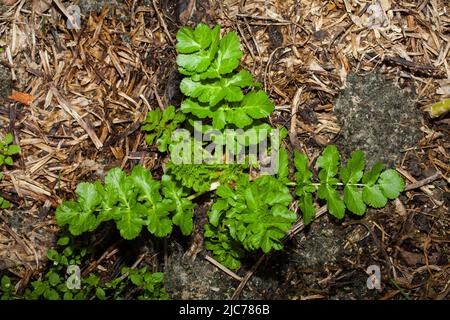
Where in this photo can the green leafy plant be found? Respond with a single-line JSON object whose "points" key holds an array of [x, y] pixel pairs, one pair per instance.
{"points": [[6, 288], [131, 201], [215, 89], [151, 284], [53, 285], [253, 215], [251, 210], [160, 125], [201, 178], [7, 150], [360, 189]]}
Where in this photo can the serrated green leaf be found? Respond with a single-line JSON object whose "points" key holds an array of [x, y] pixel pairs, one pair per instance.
{"points": [[189, 41], [257, 105], [216, 211], [130, 222], [4, 204], [226, 251], [255, 134], [329, 161], [89, 195], [213, 92], [306, 205], [266, 234], [228, 56], [153, 119], [147, 187], [79, 221], [335, 205], [238, 117], [53, 278], [13, 149], [303, 175], [191, 106], [183, 206], [5, 283], [159, 222], [391, 184], [354, 200], [241, 79], [353, 172], [371, 176], [51, 294], [9, 161], [116, 181], [283, 165], [373, 196], [256, 213]]}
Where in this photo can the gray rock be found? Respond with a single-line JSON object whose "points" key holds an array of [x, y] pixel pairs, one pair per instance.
{"points": [[376, 117]]}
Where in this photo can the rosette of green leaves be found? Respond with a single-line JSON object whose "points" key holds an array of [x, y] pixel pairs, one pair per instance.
{"points": [[254, 214], [215, 89]]}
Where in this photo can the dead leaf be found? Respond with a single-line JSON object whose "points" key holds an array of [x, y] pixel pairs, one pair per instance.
{"points": [[21, 97]]}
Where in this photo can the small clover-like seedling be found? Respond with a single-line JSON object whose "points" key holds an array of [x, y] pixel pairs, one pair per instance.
{"points": [[53, 285], [7, 150], [6, 288], [150, 283]]}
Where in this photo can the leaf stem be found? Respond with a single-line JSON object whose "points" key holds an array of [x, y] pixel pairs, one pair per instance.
{"points": [[317, 184], [195, 195]]}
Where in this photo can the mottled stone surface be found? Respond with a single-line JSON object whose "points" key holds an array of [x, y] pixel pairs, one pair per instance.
{"points": [[377, 117]]}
